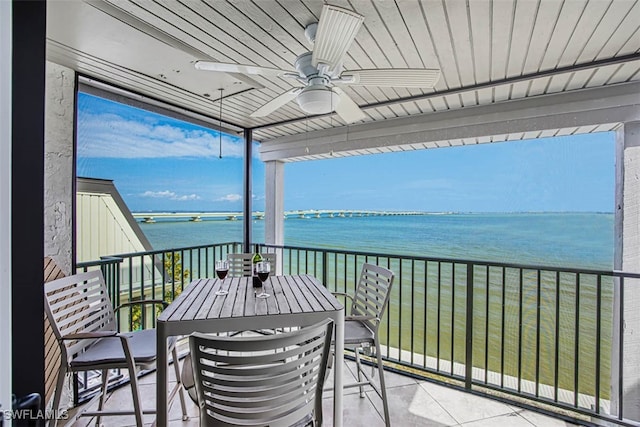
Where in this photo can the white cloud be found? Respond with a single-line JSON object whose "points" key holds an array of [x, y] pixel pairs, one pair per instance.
{"points": [[230, 198], [169, 195], [110, 135]]}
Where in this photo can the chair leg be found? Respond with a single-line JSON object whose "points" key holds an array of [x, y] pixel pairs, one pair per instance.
{"points": [[383, 388], [358, 369], [135, 391], [62, 373], [103, 393], [176, 367]]}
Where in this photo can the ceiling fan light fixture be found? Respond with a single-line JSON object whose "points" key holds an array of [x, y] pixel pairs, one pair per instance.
{"points": [[318, 99]]}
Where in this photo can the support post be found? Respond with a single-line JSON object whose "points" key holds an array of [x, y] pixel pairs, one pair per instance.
{"points": [[625, 360], [248, 148], [274, 206]]}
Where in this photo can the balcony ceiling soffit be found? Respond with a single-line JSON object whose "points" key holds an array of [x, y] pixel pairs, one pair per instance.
{"points": [[483, 49]]}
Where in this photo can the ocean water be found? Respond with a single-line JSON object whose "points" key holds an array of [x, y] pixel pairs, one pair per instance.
{"points": [[566, 240], [580, 240]]}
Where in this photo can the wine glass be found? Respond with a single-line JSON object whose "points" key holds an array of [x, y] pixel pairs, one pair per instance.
{"points": [[262, 270], [222, 268]]}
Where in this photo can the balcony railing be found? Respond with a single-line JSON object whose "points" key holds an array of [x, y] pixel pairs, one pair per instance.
{"points": [[545, 336]]}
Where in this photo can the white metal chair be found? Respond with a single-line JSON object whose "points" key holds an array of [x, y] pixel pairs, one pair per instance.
{"points": [[368, 305], [273, 380], [84, 324], [242, 264]]}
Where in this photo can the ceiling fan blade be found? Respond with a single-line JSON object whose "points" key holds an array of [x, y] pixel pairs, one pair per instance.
{"points": [[347, 109], [243, 69], [391, 77], [336, 31], [276, 102]]}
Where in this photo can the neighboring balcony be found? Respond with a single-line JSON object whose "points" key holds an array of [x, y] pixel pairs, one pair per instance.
{"points": [[529, 338]]}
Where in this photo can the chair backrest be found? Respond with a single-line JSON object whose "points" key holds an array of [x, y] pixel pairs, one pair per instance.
{"points": [[242, 264], [51, 272], [273, 380], [75, 304], [372, 294]]}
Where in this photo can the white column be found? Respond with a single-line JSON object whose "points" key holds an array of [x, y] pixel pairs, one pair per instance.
{"points": [[627, 258], [5, 204], [58, 164], [274, 206]]}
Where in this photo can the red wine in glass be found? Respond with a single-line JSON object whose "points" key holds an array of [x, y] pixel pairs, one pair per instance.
{"points": [[222, 273], [262, 271], [222, 268]]}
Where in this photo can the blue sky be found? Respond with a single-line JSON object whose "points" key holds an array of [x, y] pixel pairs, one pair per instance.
{"points": [[161, 164]]}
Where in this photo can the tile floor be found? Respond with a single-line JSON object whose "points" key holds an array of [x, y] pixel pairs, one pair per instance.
{"points": [[412, 403]]}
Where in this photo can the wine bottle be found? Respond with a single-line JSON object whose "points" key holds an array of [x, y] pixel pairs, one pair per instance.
{"points": [[257, 283]]}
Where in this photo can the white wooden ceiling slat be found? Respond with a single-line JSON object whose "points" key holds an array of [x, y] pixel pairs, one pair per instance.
{"points": [[602, 75], [516, 136], [539, 86], [531, 135], [632, 45], [453, 101], [579, 79], [519, 90], [390, 18], [398, 110], [386, 112], [547, 17], [276, 20], [468, 99], [425, 105], [374, 114], [438, 28], [625, 39], [480, 13], [439, 104], [412, 13], [457, 18], [411, 108], [525, 15], [626, 72], [605, 127], [558, 82], [485, 96], [566, 131], [502, 93], [612, 20], [548, 133], [590, 17], [230, 28], [501, 35], [586, 129], [565, 28]]}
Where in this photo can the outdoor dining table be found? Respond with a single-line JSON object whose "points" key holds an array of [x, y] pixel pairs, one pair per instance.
{"points": [[294, 300]]}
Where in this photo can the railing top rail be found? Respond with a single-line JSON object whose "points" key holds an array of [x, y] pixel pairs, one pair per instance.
{"points": [[484, 263], [615, 273]]}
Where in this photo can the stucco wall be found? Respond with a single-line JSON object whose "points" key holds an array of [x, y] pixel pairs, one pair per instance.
{"points": [[58, 181]]}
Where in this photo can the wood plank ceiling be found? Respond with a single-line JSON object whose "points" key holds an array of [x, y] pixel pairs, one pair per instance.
{"points": [[488, 50]]}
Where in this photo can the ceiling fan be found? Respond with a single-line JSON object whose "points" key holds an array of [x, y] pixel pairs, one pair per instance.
{"points": [[321, 72]]}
